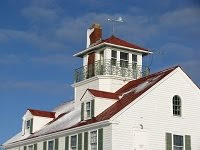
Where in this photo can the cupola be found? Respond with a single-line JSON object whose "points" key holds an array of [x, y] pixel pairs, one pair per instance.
{"points": [[108, 63]]}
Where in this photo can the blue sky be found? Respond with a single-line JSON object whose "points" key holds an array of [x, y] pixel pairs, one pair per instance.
{"points": [[39, 37]]}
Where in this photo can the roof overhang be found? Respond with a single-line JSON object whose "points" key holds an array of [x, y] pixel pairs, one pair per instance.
{"points": [[83, 52]]}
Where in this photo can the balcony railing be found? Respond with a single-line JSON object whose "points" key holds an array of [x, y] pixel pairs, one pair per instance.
{"points": [[108, 67]]}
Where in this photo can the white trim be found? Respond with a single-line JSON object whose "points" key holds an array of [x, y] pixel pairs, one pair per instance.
{"points": [[57, 134], [113, 45]]}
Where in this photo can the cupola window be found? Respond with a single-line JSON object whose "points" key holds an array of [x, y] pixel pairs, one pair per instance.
{"points": [[123, 59], [176, 105], [114, 58], [134, 61]]}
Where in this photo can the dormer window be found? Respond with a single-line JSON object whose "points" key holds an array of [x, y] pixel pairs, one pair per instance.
{"points": [[123, 59], [88, 109], [28, 124]]}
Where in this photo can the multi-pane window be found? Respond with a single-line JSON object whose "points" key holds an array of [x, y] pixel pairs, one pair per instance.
{"points": [[74, 142], [93, 140], [30, 147], [123, 59], [176, 105], [113, 58], [28, 124], [50, 145], [134, 61], [178, 142], [88, 109]]}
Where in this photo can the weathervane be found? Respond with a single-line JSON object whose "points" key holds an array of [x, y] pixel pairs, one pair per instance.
{"points": [[113, 21]]}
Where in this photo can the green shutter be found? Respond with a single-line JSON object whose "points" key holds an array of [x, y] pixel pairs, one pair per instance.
{"points": [[92, 108], [31, 126], [25, 147], [168, 139], [100, 139], [187, 142], [82, 111], [86, 141], [80, 141], [45, 145], [56, 144], [35, 146], [67, 143]]}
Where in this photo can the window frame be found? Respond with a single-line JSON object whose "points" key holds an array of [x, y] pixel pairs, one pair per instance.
{"points": [[134, 63], [90, 144], [28, 124], [124, 62], [178, 146], [113, 58], [30, 146], [177, 106], [76, 147], [53, 144], [88, 110]]}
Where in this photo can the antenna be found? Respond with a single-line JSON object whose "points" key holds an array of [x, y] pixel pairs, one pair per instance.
{"points": [[113, 21]]}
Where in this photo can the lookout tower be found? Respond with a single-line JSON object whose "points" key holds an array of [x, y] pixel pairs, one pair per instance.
{"points": [[108, 64]]}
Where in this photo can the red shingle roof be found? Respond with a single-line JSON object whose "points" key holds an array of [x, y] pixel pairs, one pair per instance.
{"points": [[103, 94], [42, 113], [129, 92], [120, 42]]}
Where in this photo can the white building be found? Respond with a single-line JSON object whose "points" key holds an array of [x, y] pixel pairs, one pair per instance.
{"points": [[117, 105]]}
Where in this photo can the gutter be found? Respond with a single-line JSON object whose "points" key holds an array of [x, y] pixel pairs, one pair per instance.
{"points": [[57, 134], [109, 44]]}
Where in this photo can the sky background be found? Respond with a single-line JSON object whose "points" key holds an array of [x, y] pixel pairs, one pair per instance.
{"points": [[39, 37]]}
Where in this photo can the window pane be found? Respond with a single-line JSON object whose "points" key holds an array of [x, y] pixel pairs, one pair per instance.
{"points": [[178, 140], [93, 140], [73, 141], [134, 58], [114, 54], [123, 56], [50, 145], [30, 147], [176, 105]]}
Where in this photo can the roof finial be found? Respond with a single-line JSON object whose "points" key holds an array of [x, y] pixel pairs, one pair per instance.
{"points": [[113, 21]]}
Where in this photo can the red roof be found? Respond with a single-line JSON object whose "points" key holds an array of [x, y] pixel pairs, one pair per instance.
{"points": [[120, 42], [42, 113], [103, 94], [129, 92]]}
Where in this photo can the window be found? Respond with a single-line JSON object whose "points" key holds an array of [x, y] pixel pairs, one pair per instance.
{"points": [[178, 142], [123, 59], [176, 105], [114, 58], [50, 145], [93, 140], [88, 109], [74, 142], [134, 61], [28, 124], [30, 147]]}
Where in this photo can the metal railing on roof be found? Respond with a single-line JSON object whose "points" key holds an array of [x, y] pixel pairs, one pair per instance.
{"points": [[111, 67]]}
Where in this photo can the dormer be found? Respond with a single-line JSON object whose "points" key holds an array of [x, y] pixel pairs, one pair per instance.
{"points": [[95, 102], [33, 120]]}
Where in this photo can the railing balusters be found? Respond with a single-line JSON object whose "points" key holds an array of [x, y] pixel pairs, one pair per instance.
{"points": [[106, 68]]}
